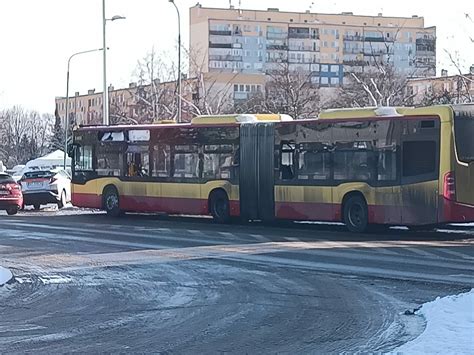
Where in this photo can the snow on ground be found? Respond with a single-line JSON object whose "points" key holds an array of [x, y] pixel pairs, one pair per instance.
{"points": [[449, 327], [5, 275]]}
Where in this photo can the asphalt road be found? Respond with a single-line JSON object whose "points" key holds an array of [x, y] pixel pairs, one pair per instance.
{"points": [[86, 283]]}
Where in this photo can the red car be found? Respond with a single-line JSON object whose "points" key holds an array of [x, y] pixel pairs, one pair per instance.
{"points": [[11, 197]]}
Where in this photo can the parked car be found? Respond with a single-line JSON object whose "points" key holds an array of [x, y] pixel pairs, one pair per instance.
{"points": [[11, 198], [41, 187], [16, 172]]}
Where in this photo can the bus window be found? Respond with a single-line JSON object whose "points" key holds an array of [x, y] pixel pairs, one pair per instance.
{"points": [[387, 165], [314, 163], [354, 163], [217, 161], [109, 161], [186, 161], [83, 160], [138, 160], [419, 158], [287, 160], [463, 135], [162, 160]]}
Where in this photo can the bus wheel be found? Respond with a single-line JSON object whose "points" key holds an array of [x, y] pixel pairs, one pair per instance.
{"points": [[219, 206], [111, 202], [355, 214]]}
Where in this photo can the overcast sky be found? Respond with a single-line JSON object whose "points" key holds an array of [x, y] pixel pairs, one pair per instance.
{"points": [[38, 36]]}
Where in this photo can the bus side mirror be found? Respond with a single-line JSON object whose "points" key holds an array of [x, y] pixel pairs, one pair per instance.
{"points": [[71, 149]]}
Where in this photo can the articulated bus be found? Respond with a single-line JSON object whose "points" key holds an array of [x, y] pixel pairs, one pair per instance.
{"points": [[363, 167]]}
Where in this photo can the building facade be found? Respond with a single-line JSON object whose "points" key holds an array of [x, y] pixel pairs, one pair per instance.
{"points": [[328, 46], [134, 104], [446, 88]]}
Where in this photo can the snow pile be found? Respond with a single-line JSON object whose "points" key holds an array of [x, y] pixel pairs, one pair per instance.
{"points": [[449, 327], [5, 276]]}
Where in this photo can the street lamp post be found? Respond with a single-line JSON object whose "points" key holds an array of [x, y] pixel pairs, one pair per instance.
{"points": [[105, 97], [179, 61], [66, 120]]}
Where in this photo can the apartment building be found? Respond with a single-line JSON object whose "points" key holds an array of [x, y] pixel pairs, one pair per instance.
{"points": [[133, 104], [446, 88], [252, 43]]}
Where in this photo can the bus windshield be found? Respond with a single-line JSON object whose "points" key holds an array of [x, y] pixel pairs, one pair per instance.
{"points": [[464, 133]]}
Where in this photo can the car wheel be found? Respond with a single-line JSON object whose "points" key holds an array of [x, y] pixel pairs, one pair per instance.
{"points": [[62, 202], [219, 206], [12, 211], [112, 202], [356, 214], [36, 206]]}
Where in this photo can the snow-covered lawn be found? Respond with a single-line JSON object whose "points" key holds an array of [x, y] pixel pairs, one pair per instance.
{"points": [[5, 275], [449, 327]]}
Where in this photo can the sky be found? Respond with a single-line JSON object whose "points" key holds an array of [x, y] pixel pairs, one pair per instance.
{"points": [[38, 36]]}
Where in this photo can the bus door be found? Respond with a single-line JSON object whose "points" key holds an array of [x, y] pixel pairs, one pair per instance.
{"points": [[420, 142], [256, 181], [464, 168]]}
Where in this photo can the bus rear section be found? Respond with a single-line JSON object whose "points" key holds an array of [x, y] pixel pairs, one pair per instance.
{"points": [[458, 183]]}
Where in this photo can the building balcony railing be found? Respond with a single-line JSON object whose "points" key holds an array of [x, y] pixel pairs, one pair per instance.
{"points": [[426, 41], [377, 39], [220, 45], [351, 50], [220, 33], [354, 63], [299, 35], [229, 58], [274, 35], [279, 47], [353, 38], [304, 48]]}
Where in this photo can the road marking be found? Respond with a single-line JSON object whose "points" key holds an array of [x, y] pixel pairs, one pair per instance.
{"points": [[421, 252], [455, 253], [226, 234], [260, 237], [252, 253], [121, 233]]}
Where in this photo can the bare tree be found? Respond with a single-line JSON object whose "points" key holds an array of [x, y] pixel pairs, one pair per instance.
{"points": [[24, 135]]}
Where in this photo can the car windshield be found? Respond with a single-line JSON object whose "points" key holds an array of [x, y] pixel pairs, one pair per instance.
{"points": [[6, 179], [38, 174]]}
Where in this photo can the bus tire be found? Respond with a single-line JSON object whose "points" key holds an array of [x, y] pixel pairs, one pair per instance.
{"points": [[219, 206], [355, 212], [112, 202]]}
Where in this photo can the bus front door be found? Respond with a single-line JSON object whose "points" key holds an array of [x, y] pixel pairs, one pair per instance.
{"points": [[256, 181]]}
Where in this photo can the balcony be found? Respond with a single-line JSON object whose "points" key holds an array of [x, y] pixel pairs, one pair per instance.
{"points": [[354, 63], [353, 38], [351, 50], [220, 33], [277, 35], [377, 39], [227, 58], [220, 45], [299, 35], [303, 48], [277, 47]]}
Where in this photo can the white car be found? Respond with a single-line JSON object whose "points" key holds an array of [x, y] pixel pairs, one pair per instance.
{"points": [[41, 187]]}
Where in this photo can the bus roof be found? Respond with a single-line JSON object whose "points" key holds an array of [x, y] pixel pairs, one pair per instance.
{"points": [[445, 112], [240, 118]]}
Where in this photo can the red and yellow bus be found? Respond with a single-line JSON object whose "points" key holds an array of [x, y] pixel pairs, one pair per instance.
{"points": [[390, 166]]}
